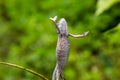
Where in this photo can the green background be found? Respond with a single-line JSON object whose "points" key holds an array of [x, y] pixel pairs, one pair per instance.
{"points": [[28, 38]]}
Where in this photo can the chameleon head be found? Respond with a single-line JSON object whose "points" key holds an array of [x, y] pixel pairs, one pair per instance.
{"points": [[63, 27]]}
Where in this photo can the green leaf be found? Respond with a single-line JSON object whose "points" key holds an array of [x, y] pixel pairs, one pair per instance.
{"points": [[103, 5]]}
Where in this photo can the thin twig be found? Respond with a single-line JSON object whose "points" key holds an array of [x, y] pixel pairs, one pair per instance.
{"points": [[25, 69]]}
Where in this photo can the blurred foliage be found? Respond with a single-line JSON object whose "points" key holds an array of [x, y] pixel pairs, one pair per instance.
{"points": [[103, 5], [28, 38]]}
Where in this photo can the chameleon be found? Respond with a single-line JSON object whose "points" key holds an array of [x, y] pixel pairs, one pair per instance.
{"points": [[63, 47]]}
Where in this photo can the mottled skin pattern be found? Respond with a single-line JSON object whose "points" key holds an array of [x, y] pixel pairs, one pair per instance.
{"points": [[62, 50]]}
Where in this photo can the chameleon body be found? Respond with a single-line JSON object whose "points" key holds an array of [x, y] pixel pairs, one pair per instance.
{"points": [[62, 49]]}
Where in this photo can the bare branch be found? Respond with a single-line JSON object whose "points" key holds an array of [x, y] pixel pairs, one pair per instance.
{"points": [[80, 35], [56, 25], [25, 69]]}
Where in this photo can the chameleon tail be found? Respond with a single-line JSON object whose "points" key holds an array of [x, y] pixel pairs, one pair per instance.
{"points": [[56, 73]]}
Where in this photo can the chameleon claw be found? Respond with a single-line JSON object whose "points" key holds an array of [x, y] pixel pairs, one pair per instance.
{"points": [[54, 19], [86, 33], [56, 24]]}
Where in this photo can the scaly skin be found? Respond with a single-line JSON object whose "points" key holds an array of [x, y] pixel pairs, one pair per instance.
{"points": [[63, 47], [62, 50]]}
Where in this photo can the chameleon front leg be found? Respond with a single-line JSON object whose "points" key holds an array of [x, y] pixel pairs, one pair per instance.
{"points": [[56, 24], [79, 35]]}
